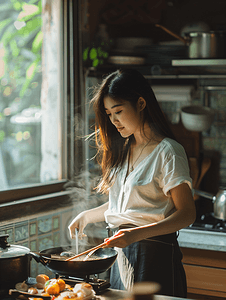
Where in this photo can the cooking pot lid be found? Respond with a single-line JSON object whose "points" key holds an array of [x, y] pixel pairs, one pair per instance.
{"points": [[11, 251]]}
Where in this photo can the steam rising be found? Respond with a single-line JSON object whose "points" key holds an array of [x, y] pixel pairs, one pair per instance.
{"points": [[84, 197]]}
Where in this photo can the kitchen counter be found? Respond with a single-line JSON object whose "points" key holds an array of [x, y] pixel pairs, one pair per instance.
{"points": [[201, 239], [204, 262], [111, 294]]}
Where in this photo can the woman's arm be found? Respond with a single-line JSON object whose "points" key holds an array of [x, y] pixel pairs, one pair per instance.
{"points": [[93, 215], [184, 215]]}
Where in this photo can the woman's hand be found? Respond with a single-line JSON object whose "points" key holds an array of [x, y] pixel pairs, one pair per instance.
{"points": [[121, 239], [79, 222], [88, 216]]}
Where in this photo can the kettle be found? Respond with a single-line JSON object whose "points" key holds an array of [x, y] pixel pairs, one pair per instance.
{"points": [[219, 202]]}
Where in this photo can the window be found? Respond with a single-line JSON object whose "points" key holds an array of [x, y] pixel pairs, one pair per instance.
{"points": [[29, 152], [39, 96]]}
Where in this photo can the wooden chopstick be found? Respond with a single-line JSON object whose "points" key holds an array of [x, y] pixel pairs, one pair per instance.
{"points": [[87, 251], [94, 248]]}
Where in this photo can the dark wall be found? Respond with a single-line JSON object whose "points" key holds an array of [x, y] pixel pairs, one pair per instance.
{"points": [[137, 18]]}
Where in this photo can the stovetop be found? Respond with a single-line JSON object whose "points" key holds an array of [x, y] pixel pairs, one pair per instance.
{"points": [[209, 223], [99, 285]]}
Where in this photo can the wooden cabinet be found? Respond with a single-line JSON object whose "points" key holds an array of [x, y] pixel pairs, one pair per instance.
{"points": [[206, 273]]}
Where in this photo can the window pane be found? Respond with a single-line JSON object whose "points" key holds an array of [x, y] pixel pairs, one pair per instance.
{"points": [[25, 82]]}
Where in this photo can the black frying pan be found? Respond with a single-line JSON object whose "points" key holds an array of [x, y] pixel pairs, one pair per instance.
{"points": [[104, 259]]}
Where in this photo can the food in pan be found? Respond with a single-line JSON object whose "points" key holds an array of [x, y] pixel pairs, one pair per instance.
{"points": [[80, 258]]}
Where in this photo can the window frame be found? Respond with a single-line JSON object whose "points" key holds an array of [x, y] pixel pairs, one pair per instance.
{"points": [[71, 89]]}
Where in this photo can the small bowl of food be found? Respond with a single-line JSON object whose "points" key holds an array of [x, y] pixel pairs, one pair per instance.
{"points": [[197, 118]]}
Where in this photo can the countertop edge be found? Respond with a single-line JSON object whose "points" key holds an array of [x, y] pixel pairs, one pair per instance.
{"points": [[199, 239]]}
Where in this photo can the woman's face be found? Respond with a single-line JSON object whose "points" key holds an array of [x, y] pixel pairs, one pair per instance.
{"points": [[123, 116]]}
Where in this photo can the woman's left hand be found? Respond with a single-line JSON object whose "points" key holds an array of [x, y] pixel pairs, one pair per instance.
{"points": [[121, 239]]}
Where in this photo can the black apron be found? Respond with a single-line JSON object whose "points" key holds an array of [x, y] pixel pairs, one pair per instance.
{"points": [[156, 259]]}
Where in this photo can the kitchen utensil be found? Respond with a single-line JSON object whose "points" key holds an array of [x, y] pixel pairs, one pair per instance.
{"points": [[76, 240], [206, 162], [87, 251], [194, 170], [197, 118], [16, 293], [219, 202], [104, 259], [14, 263], [204, 168], [94, 248], [89, 254], [211, 44]]}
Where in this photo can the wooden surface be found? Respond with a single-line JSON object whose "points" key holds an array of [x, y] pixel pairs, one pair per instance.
{"points": [[111, 294], [206, 273]]}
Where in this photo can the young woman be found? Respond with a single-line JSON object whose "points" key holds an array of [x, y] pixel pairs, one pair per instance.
{"points": [[145, 171]]}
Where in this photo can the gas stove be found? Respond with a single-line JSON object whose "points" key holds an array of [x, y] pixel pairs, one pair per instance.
{"points": [[99, 285], [209, 223]]}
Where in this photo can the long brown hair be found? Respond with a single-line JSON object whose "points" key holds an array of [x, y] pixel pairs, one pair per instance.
{"points": [[127, 85]]}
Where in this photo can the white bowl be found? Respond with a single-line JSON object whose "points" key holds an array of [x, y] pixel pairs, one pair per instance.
{"points": [[197, 118]]}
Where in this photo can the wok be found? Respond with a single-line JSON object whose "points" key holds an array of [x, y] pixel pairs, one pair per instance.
{"points": [[104, 259]]}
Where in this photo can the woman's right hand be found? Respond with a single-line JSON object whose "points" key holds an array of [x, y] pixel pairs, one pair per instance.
{"points": [[88, 216], [79, 223]]}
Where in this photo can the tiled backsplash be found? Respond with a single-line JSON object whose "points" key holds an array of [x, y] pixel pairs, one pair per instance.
{"points": [[38, 233], [50, 229]]}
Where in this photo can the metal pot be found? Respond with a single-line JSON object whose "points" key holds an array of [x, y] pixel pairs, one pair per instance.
{"points": [[14, 263], [211, 44], [219, 202], [51, 259]]}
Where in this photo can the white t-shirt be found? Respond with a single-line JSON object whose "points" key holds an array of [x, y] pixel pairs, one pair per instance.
{"points": [[143, 197]]}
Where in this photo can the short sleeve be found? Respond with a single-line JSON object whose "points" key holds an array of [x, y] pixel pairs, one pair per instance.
{"points": [[175, 171]]}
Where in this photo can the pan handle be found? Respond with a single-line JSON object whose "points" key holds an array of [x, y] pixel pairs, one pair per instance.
{"points": [[185, 41], [39, 258], [205, 195], [16, 293]]}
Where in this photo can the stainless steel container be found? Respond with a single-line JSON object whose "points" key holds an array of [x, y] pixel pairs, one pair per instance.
{"points": [[210, 44], [206, 44], [219, 202]]}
